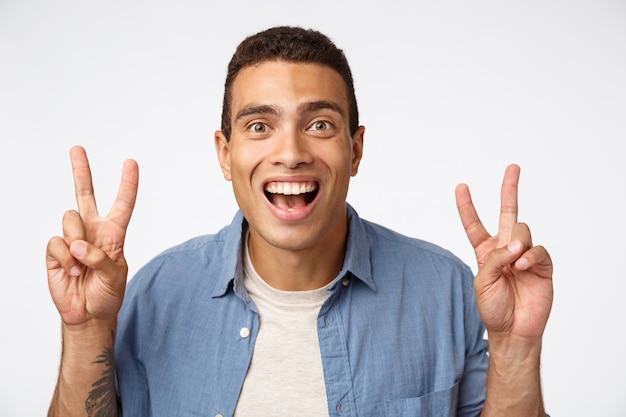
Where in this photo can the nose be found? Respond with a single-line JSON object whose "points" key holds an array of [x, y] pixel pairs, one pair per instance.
{"points": [[291, 150]]}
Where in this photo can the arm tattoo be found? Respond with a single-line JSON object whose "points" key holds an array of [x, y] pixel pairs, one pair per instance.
{"points": [[102, 399]]}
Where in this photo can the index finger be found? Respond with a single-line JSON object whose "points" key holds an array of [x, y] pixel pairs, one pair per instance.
{"points": [[508, 199], [83, 186]]}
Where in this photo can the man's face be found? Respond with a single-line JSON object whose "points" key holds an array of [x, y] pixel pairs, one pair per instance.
{"points": [[290, 155]]}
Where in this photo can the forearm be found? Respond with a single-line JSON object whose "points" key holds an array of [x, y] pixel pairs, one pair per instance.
{"points": [[513, 380], [86, 385]]}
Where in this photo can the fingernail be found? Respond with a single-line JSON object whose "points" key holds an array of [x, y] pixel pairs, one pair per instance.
{"points": [[514, 246], [79, 248], [75, 271], [521, 263]]}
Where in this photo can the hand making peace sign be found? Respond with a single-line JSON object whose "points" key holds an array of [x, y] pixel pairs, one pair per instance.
{"points": [[514, 282], [86, 267]]}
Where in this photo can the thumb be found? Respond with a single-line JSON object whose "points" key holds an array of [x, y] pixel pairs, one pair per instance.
{"points": [[96, 259], [494, 265]]}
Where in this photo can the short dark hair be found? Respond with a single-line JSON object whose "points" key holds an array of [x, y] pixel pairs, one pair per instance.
{"points": [[290, 44]]}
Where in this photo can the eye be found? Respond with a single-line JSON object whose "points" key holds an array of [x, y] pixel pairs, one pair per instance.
{"points": [[259, 127], [321, 125]]}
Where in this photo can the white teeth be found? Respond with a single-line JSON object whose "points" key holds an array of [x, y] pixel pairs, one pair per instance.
{"points": [[290, 188]]}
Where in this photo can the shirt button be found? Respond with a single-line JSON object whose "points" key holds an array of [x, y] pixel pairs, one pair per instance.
{"points": [[244, 333], [219, 415], [345, 282]]}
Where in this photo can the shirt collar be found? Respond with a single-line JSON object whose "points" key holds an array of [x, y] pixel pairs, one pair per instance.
{"points": [[356, 260], [231, 267]]}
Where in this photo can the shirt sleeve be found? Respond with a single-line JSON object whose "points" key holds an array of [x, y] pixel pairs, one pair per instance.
{"points": [[132, 382], [473, 385]]}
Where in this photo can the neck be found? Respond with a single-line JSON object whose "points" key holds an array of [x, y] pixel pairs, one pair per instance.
{"points": [[298, 270]]}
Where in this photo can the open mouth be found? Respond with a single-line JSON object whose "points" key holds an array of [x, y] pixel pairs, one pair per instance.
{"points": [[290, 195]]}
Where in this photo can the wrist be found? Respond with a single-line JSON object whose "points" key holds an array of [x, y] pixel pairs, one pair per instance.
{"points": [[90, 326], [90, 333], [87, 371], [513, 350], [513, 381], [83, 346]]}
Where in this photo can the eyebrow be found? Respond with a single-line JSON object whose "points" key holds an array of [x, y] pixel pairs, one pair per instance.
{"points": [[321, 105], [257, 109], [308, 107]]}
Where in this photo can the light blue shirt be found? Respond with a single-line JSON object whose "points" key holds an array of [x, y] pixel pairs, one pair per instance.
{"points": [[399, 333]]}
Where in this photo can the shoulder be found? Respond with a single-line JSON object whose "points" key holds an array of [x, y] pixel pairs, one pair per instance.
{"points": [[196, 264], [195, 247], [388, 243], [195, 252], [390, 260]]}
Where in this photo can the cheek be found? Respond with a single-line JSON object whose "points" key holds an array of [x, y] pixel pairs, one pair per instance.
{"points": [[340, 161], [244, 163]]}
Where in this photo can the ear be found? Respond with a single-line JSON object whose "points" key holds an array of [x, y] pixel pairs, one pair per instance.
{"points": [[222, 147], [357, 149]]}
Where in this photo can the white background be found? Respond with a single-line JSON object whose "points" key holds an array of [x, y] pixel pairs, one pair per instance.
{"points": [[450, 91]]}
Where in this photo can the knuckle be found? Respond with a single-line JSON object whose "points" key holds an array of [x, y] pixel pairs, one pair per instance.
{"points": [[53, 241], [70, 215], [55, 245], [542, 251], [59, 251], [522, 227]]}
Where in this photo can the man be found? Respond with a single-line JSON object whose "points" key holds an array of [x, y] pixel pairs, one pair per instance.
{"points": [[299, 307]]}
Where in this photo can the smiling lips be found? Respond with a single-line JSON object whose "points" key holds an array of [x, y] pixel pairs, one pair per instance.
{"points": [[291, 195]]}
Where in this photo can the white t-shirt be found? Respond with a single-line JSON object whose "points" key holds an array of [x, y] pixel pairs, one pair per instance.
{"points": [[285, 377]]}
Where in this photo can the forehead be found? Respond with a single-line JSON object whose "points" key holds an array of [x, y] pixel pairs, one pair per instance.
{"points": [[287, 84]]}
